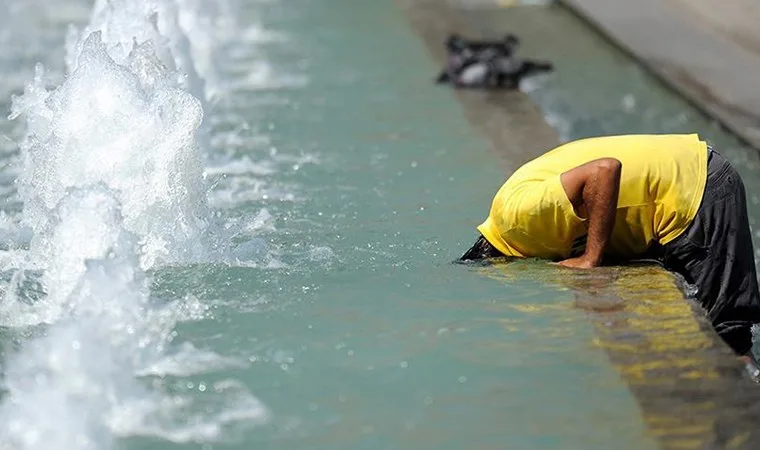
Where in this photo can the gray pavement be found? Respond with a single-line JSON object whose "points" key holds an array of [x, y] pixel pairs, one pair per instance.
{"points": [[709, 50]]}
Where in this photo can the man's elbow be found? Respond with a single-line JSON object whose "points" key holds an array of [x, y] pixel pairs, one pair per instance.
{"points": [[609, 167]]}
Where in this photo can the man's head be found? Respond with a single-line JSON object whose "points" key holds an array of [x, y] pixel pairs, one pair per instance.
{"points": [[482, 249]]}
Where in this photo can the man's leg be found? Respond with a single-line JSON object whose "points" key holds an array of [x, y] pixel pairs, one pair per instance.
{"points": [[716, 254]]}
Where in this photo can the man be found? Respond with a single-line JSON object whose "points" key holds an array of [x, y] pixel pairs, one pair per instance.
{"points": [[668, 197]]}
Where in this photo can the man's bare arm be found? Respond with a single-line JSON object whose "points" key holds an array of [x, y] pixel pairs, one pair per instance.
{"points": [[593, 188]]}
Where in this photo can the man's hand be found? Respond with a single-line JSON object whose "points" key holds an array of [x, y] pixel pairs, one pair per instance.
{"points": [[578, 263], [593, 191]]}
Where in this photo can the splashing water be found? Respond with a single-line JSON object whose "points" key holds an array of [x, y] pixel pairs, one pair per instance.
{"points": [[126, 126], [124, 23], [112, 185], [75, 387]]}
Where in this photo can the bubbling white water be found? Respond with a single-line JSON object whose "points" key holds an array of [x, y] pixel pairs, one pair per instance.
{"points": [[112, 185], [86, 225], [125, 23], [75, 388], [126, 126]]}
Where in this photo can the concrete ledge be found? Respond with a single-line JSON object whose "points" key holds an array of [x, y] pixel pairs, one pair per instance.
{"points": [[715, 71]]}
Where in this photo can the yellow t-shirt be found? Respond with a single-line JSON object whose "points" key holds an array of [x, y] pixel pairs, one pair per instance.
{"points": [[661, 185]]}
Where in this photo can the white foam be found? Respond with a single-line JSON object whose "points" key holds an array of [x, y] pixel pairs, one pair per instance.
{"points": [[125, 23], [236, 191], [261, 76], [128, 128], [228, 403], [188, 360], [322, 254], [75, 387], [12, 233], [86, 225], [208, 25], [12, 259], [243, 166], [263, 221]]}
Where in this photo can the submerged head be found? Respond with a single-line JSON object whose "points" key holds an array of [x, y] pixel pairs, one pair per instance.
{"points": [[482, 249]]}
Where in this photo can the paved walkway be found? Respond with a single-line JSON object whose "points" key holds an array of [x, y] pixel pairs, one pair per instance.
{"points": [[709, 50], [737, 19]]}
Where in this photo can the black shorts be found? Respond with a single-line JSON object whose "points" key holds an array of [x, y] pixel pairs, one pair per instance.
{"points": [[716, 254]]}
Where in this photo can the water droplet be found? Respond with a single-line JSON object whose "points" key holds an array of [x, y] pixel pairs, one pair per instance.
{"points": [[202, 387], [628, 103], [404, 364], [463, 379]]}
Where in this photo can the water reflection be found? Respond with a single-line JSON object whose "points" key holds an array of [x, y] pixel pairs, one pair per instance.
{"points": [[692, 391]]}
